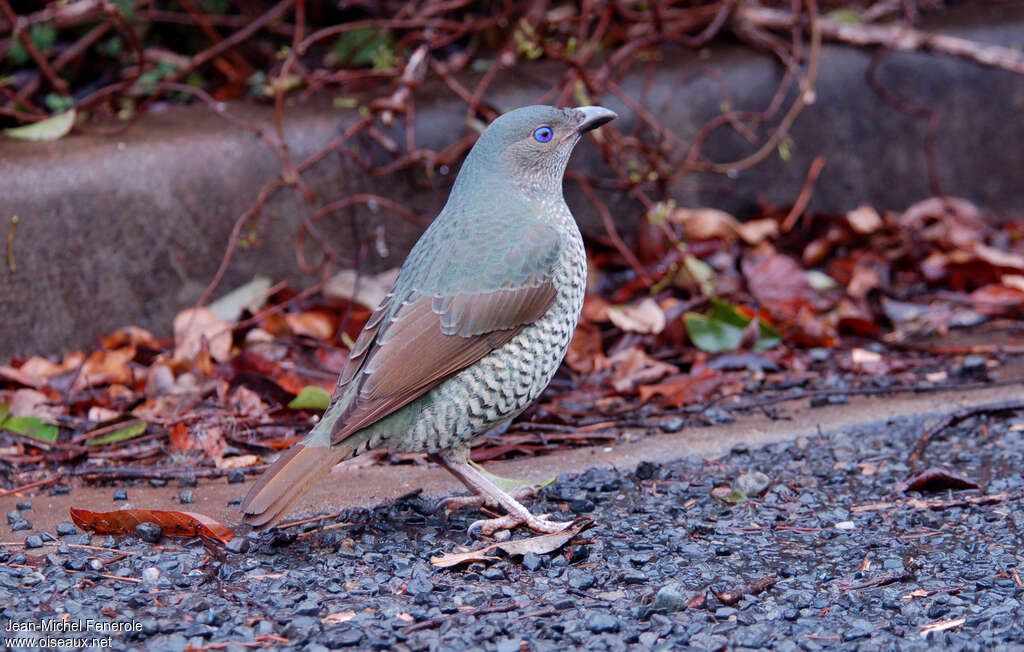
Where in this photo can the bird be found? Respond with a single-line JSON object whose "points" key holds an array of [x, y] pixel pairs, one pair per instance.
{"points": [[473, 328]]}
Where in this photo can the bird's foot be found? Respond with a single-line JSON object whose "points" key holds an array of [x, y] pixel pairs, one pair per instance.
{"points": [[452, 503], [499, 527]]}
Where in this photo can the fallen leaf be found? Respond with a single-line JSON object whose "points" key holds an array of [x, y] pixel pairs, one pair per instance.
{"points": [[130, 335], [338, 617], [1014, 281], [36, 371], [779, 283], [173, 523], [685, 390], [311, 398], [238, 462], [595, 309], [997, 300], [247, 403], [52, 128], [864, 219], [124, 433], [371, 289], [999, 258], [632, 367], [106, 367], [250, 296], [317, 324], [193, 327], [708, 223], [586, 352], [936, 479], [180, 438], [31, 427], [645, 317], [724, 329], [538, 545], [32, 403]]}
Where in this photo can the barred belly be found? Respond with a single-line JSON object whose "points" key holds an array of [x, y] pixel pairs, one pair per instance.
{"points": [[503, 383]]}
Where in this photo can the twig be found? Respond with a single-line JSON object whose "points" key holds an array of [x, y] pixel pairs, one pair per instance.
{"points": [[30, 485], [805, 194], [895, 37], [939, 504], [10, 245], [914, 458]]}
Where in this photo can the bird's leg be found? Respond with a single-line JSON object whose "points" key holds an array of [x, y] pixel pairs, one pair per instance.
{"points": [[516, 513]]}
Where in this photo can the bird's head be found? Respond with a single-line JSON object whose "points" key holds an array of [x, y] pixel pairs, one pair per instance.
{"points": [[531, 145]]}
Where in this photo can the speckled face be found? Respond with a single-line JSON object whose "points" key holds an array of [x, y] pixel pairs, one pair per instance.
{"points": [[540, 141]]}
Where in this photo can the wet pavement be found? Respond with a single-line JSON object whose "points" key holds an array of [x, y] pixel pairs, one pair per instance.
{"points": [[829, 555]]}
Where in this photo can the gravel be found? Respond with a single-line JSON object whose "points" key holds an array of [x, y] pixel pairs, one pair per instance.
{"points": [[827, 557]]}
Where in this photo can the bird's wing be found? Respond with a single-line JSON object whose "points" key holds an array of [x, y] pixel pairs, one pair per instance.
{"points": [[409, 346]]}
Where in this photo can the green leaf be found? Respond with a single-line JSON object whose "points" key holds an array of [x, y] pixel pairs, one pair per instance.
{"points": [[311, 398], [364, 47], [31, 427], [58, 103], [52, 128], [43, 36], [121, 434], [4, 411], [511, 484], [722, 329]]}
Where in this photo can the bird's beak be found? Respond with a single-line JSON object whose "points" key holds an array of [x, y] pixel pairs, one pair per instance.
{"points": [[594, 117]]}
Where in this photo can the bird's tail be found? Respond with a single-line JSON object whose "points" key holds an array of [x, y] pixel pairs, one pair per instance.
{"points": [[291, 476]]}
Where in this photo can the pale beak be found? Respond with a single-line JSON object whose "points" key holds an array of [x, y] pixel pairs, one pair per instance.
{"points": [[594, 117]]}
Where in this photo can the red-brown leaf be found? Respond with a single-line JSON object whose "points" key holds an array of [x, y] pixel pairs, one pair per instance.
{"points": [[173, 523], [684, 390]]}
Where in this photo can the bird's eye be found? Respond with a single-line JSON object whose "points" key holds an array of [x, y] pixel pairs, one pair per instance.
{"points": [[543, 134]]}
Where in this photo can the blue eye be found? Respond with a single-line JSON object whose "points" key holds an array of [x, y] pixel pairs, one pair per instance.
{"points": [[543, 134]]}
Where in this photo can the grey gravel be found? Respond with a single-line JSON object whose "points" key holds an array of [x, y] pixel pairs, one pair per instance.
{"points": [[660, 542]]}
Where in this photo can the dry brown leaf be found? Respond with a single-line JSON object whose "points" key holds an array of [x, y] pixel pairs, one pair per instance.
{"points": [[238, 462], [633, 367], [999, 258], [36, 371], [211, 440], [645, 317], [173, 523], [996, 300], [585, 354], [317, 324], [99, 414], [538, 545], [194, 326], [105, 367], [595, 309], [338, 617], [133, 335], [708, 223], [180, 438], [864, 219], [371, 291], [1015, 281], [31, 403], [684, 390], [246, 402]]}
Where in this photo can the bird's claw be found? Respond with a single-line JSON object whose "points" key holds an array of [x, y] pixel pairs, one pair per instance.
{"points": [[452, 503]]}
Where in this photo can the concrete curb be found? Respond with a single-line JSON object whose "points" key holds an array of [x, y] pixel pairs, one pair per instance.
{"points": [[130, 229]]}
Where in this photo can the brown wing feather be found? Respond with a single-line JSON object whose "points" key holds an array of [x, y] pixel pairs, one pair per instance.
{"points": [[429, 339]]}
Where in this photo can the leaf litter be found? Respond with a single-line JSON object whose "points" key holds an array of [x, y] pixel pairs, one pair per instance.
{"points": [[721, 314]]}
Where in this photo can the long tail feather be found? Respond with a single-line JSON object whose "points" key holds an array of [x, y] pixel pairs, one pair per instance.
{"points": [[287, 480]]}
